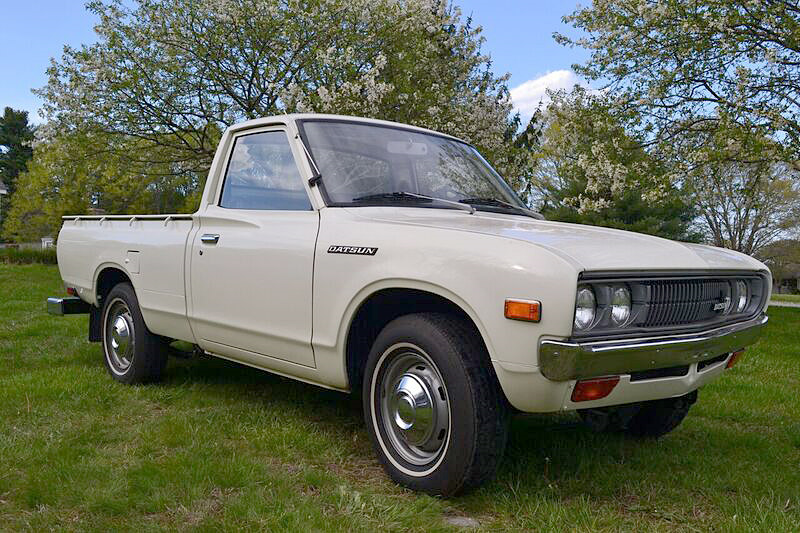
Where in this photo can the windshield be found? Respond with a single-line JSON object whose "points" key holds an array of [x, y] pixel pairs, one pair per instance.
{"points": [[368, 164]]}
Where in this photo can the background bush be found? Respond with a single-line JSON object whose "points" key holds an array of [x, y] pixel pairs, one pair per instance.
{"points": [[26, 256]]}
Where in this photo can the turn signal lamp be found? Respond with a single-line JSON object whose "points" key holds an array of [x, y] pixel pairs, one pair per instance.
{"points": [[527, 310], [734, 358], [594, 389]]}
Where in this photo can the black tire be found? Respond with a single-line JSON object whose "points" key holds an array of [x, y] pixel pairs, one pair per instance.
{"points": [[609, 419], [467, 423], [658, 417], [131, 352]]}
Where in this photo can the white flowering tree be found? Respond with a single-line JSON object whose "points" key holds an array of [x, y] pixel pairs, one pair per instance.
{"points": [[592, 168], [171, 74], [687, 63], [717, 86]]}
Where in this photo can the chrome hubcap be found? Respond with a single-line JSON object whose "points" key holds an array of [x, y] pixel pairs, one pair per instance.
{"points": [[414, 407], [119, 336]]}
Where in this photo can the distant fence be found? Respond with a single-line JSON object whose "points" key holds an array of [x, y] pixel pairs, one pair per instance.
{"points": [[46, 242]]}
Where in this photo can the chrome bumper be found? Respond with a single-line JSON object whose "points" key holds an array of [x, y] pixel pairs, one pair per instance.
{"points": [[565, 360], [70, 305]]}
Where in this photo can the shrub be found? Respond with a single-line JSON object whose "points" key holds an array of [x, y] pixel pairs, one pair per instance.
{"points": [[26, 256]]}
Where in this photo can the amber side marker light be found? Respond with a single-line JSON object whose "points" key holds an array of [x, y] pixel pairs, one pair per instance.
{"points": [[594, 389], [527, 310], [72, 291], [734, 358]]}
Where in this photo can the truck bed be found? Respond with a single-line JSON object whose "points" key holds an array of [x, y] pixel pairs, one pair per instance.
{"points": [[151, 249]]}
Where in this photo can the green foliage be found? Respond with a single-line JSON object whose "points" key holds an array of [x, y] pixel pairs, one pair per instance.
{"points": [[717, 88], [16, 136], [134, 119], [26, 256], [15, 152], [75, 173], [670, 217], [591, 170], [693, 65]]}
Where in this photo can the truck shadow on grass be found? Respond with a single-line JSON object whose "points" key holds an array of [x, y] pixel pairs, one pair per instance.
{"points": [[550, 455]]}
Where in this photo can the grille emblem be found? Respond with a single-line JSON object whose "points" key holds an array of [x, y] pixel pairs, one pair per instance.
{"points": [[721, 306]]}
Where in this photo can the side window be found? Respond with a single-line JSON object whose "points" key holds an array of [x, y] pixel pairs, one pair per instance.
{"points": [[262, 175]]}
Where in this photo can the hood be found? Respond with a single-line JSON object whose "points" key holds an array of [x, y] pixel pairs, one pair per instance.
{"points": [[586, 247]]}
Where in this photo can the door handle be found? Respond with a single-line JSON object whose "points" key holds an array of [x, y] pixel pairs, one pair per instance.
{"points": [[209, 238]]}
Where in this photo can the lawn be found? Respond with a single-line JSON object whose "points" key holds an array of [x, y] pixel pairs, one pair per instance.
{"points": [[794, 298], [220, 446]]}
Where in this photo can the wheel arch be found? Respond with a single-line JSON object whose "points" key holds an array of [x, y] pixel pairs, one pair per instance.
{"points": [[106, 277], [379, 303]]}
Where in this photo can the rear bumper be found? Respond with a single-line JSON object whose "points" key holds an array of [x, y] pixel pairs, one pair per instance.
{"points": [[565, 360], [71, 305]]}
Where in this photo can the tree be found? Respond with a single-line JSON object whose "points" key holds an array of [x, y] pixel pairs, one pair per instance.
{"points": [[173, 73], [717, 84], [591, 170], [689, 65], [16, 136], [77, 172], [141, 111], [744, 195], [783, 259]]}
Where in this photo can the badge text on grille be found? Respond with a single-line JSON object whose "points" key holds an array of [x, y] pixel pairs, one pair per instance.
{"points": [[721, 306]]}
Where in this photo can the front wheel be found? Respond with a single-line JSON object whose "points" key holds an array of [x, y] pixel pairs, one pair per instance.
{"points": [[651, 419], [658, 417], [433, 407]]}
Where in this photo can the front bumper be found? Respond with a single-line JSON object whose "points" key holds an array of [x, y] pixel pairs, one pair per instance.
{"points": [[566, 360]]}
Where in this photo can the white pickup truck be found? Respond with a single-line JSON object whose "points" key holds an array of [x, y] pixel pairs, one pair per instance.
{"points": [[364, 255]]}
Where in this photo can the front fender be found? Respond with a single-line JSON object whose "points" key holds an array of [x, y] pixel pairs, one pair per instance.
{"points": [[476, 272]]}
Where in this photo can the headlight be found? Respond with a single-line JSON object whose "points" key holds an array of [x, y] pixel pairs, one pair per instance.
{"points": [[585, 305], [741, 296], [620, 305]]}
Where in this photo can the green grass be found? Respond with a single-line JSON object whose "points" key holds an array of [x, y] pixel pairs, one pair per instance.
{"points": [[794, 298], [220, 446]]}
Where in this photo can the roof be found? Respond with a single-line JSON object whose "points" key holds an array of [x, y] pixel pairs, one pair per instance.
{"points": [[266, 121]]}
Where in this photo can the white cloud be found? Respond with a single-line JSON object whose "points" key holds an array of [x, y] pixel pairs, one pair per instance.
{"points": [[530, 94]]}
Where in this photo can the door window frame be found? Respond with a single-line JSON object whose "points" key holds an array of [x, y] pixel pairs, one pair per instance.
{"points": [[295, 156]]}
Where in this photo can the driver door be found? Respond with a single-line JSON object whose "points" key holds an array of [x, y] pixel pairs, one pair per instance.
{"points": [[253, 256]]}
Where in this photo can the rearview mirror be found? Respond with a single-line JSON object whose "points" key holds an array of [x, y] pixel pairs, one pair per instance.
{"points": [[406, 148]]}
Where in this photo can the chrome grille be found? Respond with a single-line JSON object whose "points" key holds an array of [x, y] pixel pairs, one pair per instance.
{"points": [[684, 301], [670, 301]]}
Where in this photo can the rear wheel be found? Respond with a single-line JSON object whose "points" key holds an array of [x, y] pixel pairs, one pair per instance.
{"points": [[432, 404], [132, 353]]}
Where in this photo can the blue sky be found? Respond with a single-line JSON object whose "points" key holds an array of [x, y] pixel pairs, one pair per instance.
{"points": [[518, 37]]}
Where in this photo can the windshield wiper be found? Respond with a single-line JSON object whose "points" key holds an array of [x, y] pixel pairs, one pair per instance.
{"points": [[494, 202], [402, 195]]}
